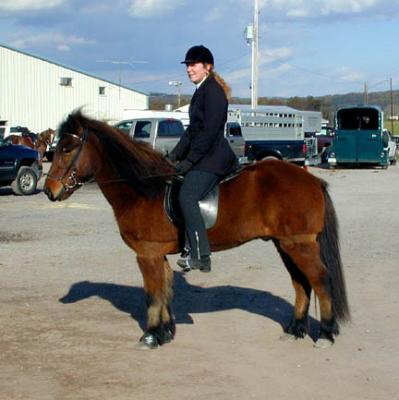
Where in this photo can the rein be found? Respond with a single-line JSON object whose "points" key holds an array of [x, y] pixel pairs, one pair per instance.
{"points": [[116, 180], [72, 181]]}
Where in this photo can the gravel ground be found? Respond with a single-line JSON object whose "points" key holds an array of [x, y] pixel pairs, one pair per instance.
{"points": [[72, 308]]}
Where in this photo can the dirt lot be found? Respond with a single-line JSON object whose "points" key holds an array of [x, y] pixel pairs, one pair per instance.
{"points": [[72, 308]]}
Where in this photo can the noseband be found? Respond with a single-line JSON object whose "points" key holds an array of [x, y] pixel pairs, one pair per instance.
{"points": [[72, 181]]}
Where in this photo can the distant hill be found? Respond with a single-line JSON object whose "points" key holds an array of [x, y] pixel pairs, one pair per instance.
{"points": [[326, 104]]}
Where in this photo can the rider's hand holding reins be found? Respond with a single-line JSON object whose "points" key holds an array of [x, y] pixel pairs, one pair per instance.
{"points": [[183, 167]]}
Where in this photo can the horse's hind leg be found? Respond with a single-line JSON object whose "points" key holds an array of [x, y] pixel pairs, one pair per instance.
{"points": [[306, 256], [158, 287], [299, 325]]}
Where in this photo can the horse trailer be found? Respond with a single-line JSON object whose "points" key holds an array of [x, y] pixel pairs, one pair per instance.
{"points": [[359, 137]]}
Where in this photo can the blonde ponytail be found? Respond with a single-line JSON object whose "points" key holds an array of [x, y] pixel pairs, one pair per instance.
{"points": [[226, 88]]}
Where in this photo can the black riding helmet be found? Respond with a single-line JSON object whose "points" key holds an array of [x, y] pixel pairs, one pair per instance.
{"points": [[198, 54]]}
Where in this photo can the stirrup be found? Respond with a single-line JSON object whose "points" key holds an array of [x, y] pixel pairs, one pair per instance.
{"points": [[188, 263]]}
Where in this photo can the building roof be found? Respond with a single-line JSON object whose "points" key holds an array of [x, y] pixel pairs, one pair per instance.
{"points": [[72, 69], [263, 108]]}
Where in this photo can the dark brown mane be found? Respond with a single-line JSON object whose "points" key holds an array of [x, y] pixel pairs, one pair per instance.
{"points": [[135, 163]]}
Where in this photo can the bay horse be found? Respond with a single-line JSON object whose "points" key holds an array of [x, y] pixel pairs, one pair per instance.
{"points": [[270, 200], [22, 140], [38, 142], [43, 140]]}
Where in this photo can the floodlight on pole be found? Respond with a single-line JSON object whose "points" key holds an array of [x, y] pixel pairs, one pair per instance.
{"points": [[177, 85]]}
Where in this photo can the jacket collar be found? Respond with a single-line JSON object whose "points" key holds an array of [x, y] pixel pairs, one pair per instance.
{"points": [[204, 83], [203, 80]]}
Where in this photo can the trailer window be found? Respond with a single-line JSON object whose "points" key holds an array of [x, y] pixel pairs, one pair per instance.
{"points": [[358, 119]]}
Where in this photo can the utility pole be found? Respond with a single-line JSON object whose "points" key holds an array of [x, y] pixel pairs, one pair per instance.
{"points": [[254, 94], [252, 38], [366, 94], [392, 124]]}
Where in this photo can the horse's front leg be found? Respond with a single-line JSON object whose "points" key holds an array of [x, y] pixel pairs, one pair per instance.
{"points": [[158, 287]]}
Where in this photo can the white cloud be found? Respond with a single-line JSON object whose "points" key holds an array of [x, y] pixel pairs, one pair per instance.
{"points": [[349, 75], [61, 42], [64, 47], [347, 6], [24, 5], [214, 14], [153, 8], [240, 79], [272, 55]]}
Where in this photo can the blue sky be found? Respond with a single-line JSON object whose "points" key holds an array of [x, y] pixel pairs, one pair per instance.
{"points": [[307, 47]]}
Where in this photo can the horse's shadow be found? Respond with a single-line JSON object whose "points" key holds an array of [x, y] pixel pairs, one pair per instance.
{"points": [[189, 299]]}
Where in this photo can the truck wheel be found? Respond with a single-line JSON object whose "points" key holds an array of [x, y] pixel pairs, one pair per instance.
{"points": [[269, 158], [25, 183]]}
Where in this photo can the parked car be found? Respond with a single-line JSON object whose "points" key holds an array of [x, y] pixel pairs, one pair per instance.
{"points": [[233, 134], [20, 168], [4, 131], [164, 133], [19, 130], [324, 139], [392, 147], [161, 133]]}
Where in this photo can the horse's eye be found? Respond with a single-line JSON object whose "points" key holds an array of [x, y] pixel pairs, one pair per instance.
{"points": [[68, 148]]}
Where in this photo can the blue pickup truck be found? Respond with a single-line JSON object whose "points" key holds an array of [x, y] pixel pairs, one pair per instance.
{"points": [[289, 150], [20, 168]]}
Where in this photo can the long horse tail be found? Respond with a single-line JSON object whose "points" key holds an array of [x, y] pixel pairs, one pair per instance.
{"points": [[330, 255]]}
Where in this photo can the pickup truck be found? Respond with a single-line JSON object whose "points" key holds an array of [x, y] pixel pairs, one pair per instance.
{"points": [[20, 168], [164, 133], [290, 150], [324, 139], [161, 133]]}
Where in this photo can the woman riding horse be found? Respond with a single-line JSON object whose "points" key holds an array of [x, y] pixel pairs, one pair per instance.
{"points": [[203, 153]]}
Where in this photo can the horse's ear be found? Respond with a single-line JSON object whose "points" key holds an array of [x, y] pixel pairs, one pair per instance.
{"points": [[72, 123]]}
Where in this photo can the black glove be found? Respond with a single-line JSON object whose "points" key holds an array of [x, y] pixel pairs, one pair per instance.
{"points": [[171, 157], [183, 167]]}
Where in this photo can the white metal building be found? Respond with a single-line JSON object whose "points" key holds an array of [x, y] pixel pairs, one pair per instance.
{"points": [[39, 94]]}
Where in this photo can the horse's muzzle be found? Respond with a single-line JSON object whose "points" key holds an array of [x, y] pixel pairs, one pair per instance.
{"points": [[49, 194]]}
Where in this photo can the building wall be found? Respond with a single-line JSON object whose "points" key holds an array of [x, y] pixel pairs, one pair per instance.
{"points": [[31, 94]]}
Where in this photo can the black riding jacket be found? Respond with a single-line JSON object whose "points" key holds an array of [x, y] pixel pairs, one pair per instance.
{"points": [[203, 143]]}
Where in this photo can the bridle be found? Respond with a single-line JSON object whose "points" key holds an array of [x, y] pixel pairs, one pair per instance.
{"points": [[72, 182]]}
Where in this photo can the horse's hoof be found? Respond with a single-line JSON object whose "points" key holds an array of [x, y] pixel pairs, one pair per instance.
{"points": [[287, 337], [323, 344], [148, 341], [142, 346], [168, 336]]}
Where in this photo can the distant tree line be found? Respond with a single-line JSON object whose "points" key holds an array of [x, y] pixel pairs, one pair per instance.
{"points": [[326, 104]]}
